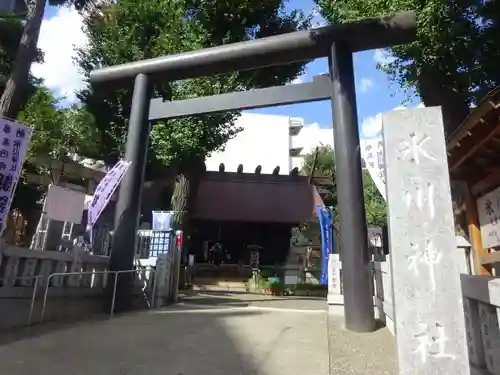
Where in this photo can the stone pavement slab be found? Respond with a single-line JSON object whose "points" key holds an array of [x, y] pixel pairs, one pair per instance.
{"points": [[241, 335]]}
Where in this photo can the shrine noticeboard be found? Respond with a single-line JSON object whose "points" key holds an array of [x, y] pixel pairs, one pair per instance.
{"points": [[488, 208]]}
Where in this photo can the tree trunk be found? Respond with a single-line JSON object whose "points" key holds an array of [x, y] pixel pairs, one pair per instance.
{"points": [[11, 100]]}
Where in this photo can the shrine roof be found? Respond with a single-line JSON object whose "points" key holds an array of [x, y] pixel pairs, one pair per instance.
{"points": [[474, 147], [256, 198]]}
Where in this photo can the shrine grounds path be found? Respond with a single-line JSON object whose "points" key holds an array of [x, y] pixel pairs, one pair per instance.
{"points": [[204, 335]]}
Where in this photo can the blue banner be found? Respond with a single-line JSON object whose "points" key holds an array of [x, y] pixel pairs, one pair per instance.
{"points": [[325, 216]]}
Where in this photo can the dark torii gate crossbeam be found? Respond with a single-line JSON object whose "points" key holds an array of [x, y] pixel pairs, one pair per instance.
{"points": [[337, 42]]}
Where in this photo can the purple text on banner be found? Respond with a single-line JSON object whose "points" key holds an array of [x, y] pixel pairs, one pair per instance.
{"points": [[105, 190], [14, 142]]}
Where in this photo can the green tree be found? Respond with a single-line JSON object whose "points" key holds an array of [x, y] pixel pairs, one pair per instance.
{"points": [[11, 29], [375, 206], [323, 165], [130, 30], [453, 62], [17, 84], [27, 195], [58, 132]]}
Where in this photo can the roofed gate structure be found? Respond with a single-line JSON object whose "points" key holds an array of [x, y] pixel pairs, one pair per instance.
{"points": [[474, 162], [338, 43]]}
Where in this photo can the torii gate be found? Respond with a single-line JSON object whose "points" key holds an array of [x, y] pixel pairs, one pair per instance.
{"points": [[338, 43]]}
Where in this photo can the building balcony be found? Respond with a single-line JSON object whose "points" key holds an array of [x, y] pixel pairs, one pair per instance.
{"points": [[296, 142], [295, 151], [296, 125]]}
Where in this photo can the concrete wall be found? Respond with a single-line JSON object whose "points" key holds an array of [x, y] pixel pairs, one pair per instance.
{"points": [[69, 297], [383, 295], [78, 285], [481, 303], [264, 140], [62, 305]]}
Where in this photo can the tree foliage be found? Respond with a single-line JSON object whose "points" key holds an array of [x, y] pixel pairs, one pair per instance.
{"points": [[322, 160], [453, 62], [15, 87], [57, 132], [375, 206], [130, 30], [325, 167], [11, 29]]}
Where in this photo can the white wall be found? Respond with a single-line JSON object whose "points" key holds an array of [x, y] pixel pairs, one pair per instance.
{"points": [[313, 135], [265, 141]]}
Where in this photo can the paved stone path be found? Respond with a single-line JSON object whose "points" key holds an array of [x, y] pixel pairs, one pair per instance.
{"points": [[207, 335]]}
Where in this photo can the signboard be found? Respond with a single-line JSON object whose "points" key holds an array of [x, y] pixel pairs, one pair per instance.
{"points": [[162, 220], [14, 141], [488, 208], [63, 204], [105, 190], [334, 288], [375, 237], [372, 152]]}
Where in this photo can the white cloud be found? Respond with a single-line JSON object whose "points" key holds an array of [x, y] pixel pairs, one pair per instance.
{"points": [[372, 126], [317, 18], [315, 12], [313, 135], [299, 79], [383, 57], [59, 36], [365, 84]]}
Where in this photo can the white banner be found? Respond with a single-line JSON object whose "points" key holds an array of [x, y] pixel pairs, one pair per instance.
{"points": [[14, 141], [63, 204], [105, 190], [372, 151], [488, 208]]}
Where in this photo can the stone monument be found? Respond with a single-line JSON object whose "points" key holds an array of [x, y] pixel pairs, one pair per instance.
{"points": [[430, 325]]}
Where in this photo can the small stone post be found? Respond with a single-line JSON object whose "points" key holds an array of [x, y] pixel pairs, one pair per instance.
{"points": [[334, 291], [430, 326]]}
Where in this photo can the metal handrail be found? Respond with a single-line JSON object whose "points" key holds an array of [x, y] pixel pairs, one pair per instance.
{"points": [[151, 288], [115, 273], [33, 294], [45, 295], [113, 298], [33, 299]]}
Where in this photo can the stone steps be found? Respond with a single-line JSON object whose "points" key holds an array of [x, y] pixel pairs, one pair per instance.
{"points": [[219, 285]]}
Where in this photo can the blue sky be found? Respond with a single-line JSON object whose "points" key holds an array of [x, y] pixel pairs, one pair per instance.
{"points": [[380, 95], [375, 93]]}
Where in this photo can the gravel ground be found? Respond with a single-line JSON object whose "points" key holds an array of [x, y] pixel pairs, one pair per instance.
{"points": [[361, 353]]}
